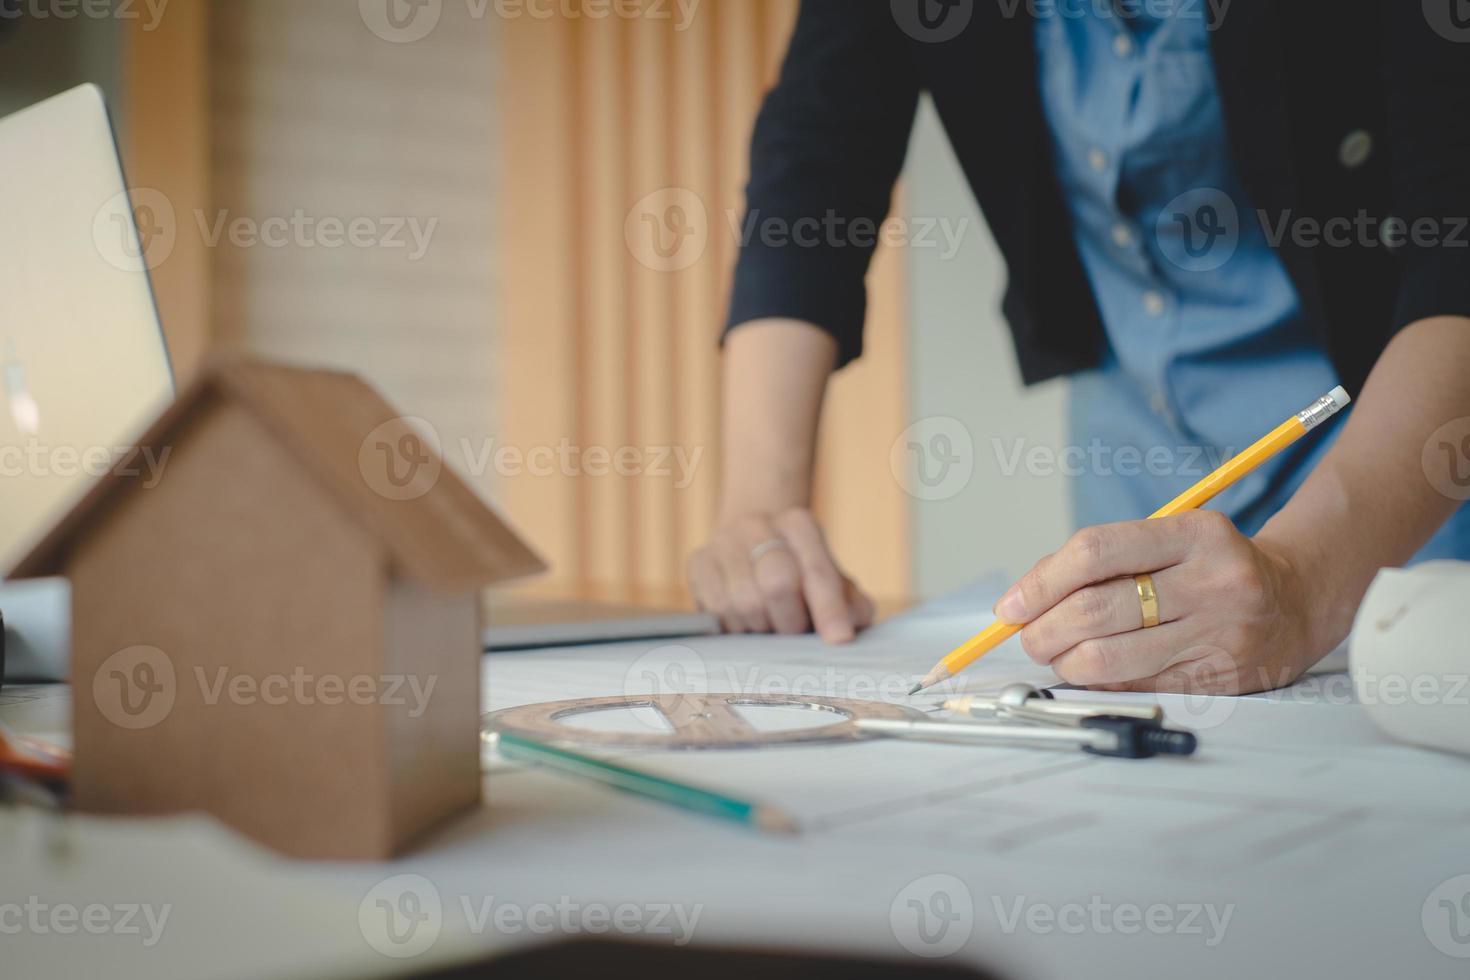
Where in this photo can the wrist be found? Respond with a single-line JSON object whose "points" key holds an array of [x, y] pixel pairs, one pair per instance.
{"points": [[737, 504], [1308, 587]]}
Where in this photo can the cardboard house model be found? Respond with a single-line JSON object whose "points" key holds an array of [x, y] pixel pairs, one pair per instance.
{"points": [[279, 625]]}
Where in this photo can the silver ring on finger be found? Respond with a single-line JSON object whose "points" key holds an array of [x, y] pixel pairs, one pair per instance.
{"points": [[766, 547]]}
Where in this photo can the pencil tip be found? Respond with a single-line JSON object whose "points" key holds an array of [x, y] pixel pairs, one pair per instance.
{"points": [[776, 821], [916, 688]]}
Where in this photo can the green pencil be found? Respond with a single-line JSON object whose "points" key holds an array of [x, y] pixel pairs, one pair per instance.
{"points": [[696, 798]]}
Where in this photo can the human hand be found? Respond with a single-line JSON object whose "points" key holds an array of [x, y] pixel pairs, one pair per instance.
{"points": [[763, 573], [1235, 614]]}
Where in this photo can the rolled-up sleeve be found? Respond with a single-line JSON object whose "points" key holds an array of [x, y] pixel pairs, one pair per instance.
{"points": [[828, 146], [1429, 113]]}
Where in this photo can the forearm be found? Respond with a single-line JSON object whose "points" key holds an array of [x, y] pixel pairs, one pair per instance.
{"points": [[775, 376], [1372, 501]]}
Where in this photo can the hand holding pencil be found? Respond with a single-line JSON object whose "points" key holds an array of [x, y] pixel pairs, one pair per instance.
{"points": [[1180, 601]]}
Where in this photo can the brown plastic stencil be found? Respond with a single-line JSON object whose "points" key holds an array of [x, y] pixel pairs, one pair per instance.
{"points": [[696, 721]]}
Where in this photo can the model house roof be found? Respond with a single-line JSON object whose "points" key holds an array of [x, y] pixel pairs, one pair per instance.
{"points": [[440, 534]]}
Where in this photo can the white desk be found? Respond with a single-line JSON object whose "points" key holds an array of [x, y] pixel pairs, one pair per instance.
{"points": [[1298, 842]]}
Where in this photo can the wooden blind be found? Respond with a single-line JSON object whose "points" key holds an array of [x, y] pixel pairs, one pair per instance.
{"points": [[607, 123]]}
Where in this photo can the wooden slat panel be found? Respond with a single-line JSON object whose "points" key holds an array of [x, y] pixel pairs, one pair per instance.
{"points": [[166, 68], [697, 290], [538, 373], [655, 108], [655, 383], [602, 172]]}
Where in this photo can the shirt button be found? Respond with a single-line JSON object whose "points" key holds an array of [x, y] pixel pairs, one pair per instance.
{"points": [[1356, 148], [1153, 302], [1122, 45], [1122, 235], [1097, 159]]}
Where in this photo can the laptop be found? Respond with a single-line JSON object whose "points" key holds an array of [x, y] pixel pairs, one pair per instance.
{"points": [[83, 366], [516, 622]]}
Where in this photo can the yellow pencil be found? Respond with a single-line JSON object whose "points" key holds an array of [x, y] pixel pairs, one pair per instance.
{"points": [[1195, 497]]}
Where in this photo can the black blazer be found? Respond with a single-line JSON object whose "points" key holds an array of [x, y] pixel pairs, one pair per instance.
{"points": [[1302, 82]]}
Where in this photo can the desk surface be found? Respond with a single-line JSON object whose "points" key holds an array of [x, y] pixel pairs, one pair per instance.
{"points": [[1298, 842]]}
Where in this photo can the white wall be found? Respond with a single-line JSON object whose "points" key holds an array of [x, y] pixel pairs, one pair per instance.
{"points": [[964, 368]]}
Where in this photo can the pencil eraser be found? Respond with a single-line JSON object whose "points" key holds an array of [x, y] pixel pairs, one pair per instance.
{"points": [[1339, 398]]}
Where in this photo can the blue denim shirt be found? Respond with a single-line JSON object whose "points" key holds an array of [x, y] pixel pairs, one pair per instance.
{"points": [[1207, 347]]}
